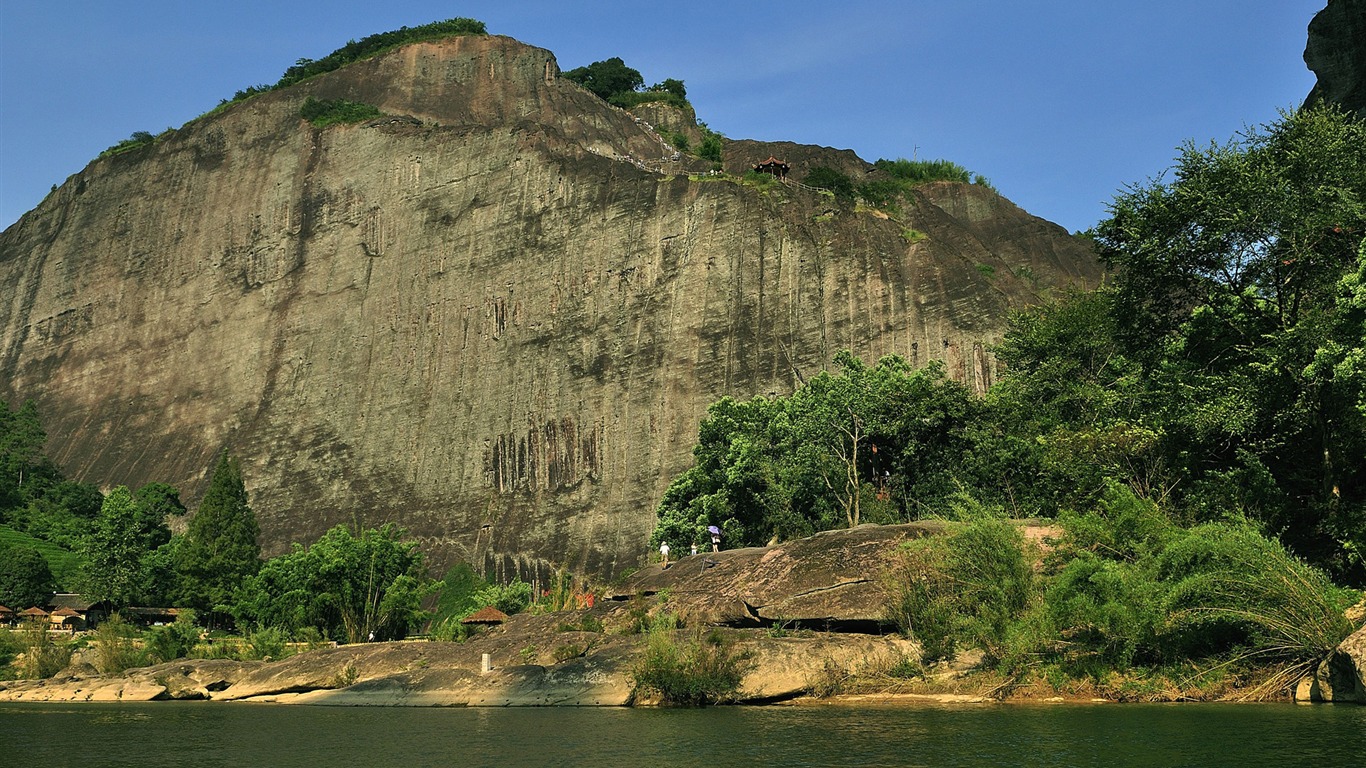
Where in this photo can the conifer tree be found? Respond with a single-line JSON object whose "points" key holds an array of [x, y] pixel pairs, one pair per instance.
{"points": [[220, 548]]}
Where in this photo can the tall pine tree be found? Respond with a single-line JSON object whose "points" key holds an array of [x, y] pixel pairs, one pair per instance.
{"points": [[220, 549]]}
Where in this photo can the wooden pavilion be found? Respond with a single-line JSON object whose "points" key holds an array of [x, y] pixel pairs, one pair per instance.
{"points": [[773, 166]]}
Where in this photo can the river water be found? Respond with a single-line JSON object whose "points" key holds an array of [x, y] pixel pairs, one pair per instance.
{"points": [[223, 734]]}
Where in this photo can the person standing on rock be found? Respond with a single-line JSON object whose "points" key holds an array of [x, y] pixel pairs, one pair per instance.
{"points": [[715, 538], [694, 548], [664, 552]]}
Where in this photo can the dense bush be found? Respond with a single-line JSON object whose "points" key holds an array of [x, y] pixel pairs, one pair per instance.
{"points": [[922, 171], [703, 669], [116, 647], [510, 598], [349, 585], [138, 140], [174, 641], [356, 50], [965, 588], [325, 112], [1124, 587], [859, 444], [837, 182], [614, 82]]}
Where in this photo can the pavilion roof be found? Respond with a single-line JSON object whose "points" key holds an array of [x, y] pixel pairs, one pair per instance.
{"points": [[487, 615]]}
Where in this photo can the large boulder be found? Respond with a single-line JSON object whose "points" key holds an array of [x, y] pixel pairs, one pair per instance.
{"points": [[1342, 676], [833, 580]]}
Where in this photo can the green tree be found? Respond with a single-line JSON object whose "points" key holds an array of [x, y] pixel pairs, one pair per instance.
{"points": [[220, 549], [25, 579], [1238, 291], [121, 550], [115, 554], [24, 469], [670, 85], [350, 586], [607, 78]]}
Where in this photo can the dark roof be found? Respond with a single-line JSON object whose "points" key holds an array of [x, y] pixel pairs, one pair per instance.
{"points": [[489, 615], [771, 161], [134, 610], [76, 602]]}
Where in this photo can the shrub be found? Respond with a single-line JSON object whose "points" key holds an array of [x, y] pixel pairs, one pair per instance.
{"points": [[922, 171], [451, 630], [43, 656], [116, 647], [568, 651], [629, 99], [1110, 613], [967, 587], [704, 669], [325, 112], [831, 179], [267, 643], [510, 598], [373, 45], [1231, 582], [138, 140], [174, 641], [711, 147]]}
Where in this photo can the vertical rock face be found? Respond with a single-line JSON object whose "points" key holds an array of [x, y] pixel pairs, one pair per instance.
{"points": [[480, 319], [1336, 52]]}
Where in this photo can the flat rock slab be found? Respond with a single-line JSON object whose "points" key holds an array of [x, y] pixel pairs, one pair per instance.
{"points": [[833, 576]]}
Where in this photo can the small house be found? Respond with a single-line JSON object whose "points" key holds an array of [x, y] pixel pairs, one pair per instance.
{"points": [[67, 620], [91, 612], [33, 613]]}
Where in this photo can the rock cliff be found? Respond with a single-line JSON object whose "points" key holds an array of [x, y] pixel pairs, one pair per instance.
{"points": [[1336, 52], [494, 317]]}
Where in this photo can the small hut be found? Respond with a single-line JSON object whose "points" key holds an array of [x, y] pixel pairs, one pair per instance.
{"points": [[6, 616], [67, 620], [773, 166], [33, 613], [485, 617]]}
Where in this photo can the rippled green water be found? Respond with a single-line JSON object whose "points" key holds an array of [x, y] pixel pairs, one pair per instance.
{"points": [[218, 734]]}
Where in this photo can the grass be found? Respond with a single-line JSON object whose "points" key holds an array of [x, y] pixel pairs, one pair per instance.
{"points": [[63, 563], [324, 112]]}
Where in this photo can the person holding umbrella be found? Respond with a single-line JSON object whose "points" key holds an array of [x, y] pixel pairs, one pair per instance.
{"points": [[715, 538]]}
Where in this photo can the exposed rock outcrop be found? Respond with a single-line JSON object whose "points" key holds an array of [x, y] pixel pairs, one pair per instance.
{"points": [[1336, 53], [832, 579], [1340, 678], [486, 318]]}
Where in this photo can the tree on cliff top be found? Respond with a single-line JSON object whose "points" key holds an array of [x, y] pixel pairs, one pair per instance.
{"points": [[220, 549], [607, 78]]}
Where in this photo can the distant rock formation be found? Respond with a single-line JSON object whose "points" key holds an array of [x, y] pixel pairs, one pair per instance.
{"points": [[1336, 52], [494, 317]]}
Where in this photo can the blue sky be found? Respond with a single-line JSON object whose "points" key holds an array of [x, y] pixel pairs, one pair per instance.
{"points": [[1059, 103]]}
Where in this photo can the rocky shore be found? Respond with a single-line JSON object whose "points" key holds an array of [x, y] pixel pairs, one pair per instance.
{"points": [[800, 612], [803, 613]]}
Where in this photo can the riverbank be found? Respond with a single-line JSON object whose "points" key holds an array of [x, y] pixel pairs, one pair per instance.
{"points": [[804, 619]]}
